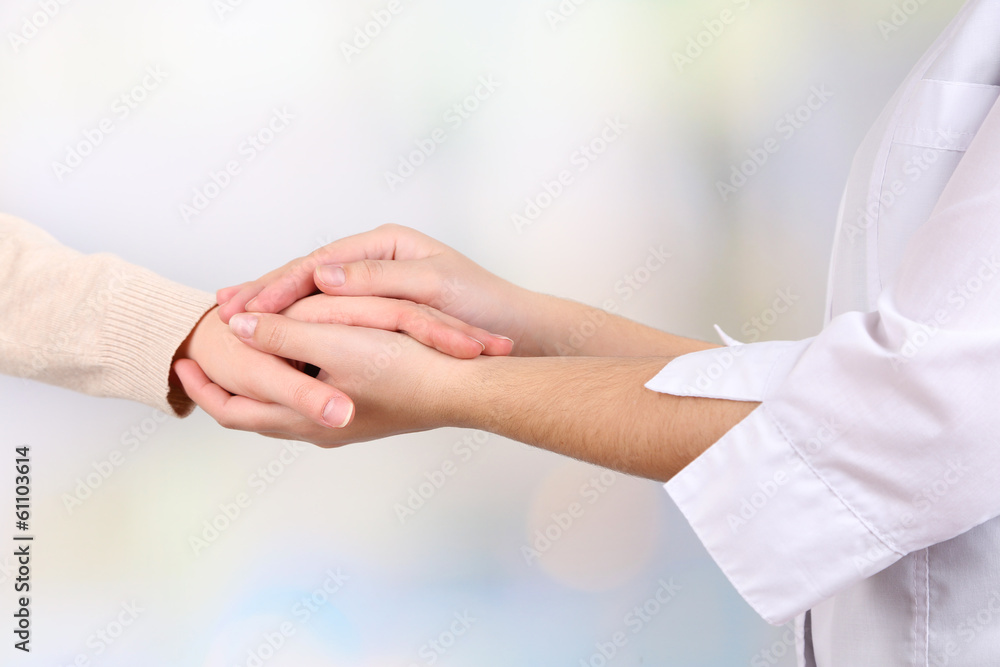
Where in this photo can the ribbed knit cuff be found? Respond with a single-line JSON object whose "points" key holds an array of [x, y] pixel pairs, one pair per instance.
{"points": [[148, 317]]}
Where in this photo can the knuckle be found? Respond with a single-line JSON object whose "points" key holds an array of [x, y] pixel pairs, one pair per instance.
{"points": [[414, 320], [227, 421], [273, 336], [301, 396], [371, 271]]}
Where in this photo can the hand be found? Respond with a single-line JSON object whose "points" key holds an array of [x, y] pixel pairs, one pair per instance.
{"points": [[243, 371], [235, 368], [591, 408], [398, 262], [396, 382]]}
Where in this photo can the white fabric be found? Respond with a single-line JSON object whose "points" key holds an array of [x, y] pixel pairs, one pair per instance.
{"points": [[866, 486]]}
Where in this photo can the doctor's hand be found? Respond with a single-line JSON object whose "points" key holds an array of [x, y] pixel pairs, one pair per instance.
{"points": [[402, 263], [399, 262], [595, 409], [395, 381]]}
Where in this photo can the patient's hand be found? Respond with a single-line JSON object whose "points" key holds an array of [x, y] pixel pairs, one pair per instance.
{"points": [[243, 373], [394, 380]]}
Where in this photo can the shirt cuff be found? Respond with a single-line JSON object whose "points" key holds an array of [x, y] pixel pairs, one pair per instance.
{"points": [[762, 512], [783, 538]]}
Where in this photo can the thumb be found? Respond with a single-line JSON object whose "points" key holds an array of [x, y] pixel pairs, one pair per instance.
{"points": [[414, 280], [282, 337]]}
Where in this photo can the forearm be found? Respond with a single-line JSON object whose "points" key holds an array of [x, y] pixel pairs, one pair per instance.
{"points": [[91, 323], [592, 409], [560, 327]]}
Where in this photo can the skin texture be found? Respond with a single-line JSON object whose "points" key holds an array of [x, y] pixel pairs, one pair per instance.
{"points": [[265, 378], [399, 262], [591, 408], [588, 403]]}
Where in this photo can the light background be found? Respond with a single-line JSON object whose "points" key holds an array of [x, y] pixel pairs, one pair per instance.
{"points": [[323, 178]]}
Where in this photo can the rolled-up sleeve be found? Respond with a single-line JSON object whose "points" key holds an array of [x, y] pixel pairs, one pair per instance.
{"points": [[876, 438]]}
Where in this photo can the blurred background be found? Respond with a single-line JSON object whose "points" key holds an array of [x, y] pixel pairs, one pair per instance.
{"points": [[718, 131]]}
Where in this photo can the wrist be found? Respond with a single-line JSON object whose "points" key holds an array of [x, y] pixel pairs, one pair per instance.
{"points": [[184, 350], [456, 392], [540, 319]]}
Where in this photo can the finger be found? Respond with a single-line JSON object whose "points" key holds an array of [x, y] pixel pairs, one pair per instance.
{"points": [[226, 293], [274, 381], [385, 243], [287, 338], [235, 412], [237, 302], [414, 280], [245, 292], [280, 383], [492, 344], [422, 323]]}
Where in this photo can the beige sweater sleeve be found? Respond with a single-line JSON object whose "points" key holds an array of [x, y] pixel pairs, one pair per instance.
{"points": [[91, 323]]}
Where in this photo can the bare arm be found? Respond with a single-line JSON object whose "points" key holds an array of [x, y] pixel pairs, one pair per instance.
{"points": [[401, 263], [591, 408], [594, 409]]}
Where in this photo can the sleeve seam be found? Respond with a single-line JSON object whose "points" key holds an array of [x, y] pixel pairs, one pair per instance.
{"points": [[884, 539]]}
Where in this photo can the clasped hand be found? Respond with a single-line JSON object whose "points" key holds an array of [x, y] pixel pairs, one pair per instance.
{"points": [[387, 316]]}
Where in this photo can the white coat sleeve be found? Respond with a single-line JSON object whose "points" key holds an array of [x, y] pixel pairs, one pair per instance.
{"points": [[876, 438]]}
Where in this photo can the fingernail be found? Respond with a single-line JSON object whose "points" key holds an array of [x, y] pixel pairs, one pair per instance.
{"points": [[481, 344], [243, 325], [503, 337], [250, 304], [332, 275], [338, 412]]}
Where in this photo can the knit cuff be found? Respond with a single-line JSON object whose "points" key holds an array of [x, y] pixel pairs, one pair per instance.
{"points": [[148, 317]]}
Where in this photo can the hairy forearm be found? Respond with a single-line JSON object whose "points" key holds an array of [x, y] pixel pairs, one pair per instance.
{"points": [[560, 327], [593, 409]]}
